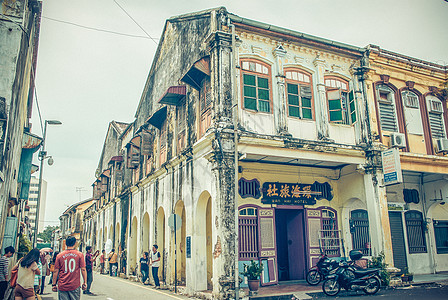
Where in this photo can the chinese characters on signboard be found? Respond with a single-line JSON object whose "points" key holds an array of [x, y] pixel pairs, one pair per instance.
{"points": [[294, 193]]}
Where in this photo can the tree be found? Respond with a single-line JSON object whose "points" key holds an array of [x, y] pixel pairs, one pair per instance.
{"points": [[47, 233]]}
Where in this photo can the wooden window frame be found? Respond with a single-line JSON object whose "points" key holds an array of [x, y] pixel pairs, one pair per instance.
{"points": [[382, 88], [429, 99], [163, 143], [257, 75], [251, 222], [205, 101], [299, 83], [347, 100]]}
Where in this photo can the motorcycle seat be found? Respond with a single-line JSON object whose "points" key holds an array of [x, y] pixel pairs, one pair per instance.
{"points": [[364, 272]]}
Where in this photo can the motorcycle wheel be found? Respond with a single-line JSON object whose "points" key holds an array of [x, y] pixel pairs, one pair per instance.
{"points": [[373, 286], [313, 277], [331, 287]]}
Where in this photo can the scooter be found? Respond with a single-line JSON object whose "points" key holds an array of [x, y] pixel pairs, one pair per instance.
{"points": [[321, 270], [351, 278]]}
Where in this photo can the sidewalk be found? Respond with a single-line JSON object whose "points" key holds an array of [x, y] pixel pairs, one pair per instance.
{"points": [[301, 288], [430, 278]]}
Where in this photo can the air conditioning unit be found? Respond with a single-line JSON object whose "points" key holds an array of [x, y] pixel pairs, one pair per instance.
{"points": [[397, 140], [442, 145]]}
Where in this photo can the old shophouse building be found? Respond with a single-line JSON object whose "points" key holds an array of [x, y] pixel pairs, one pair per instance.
{"points": [[267, 143]]}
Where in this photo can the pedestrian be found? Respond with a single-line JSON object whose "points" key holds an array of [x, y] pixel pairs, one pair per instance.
{"points": [[69, 265], [53, 260], [144, 267], [102, 260], [45, 270], [27, 269], [89, 268], [113, 263], [38, 279], [4, 265], [155, 263]]}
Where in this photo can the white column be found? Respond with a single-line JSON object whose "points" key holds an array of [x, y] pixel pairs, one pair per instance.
{"points": [[378, 217]]}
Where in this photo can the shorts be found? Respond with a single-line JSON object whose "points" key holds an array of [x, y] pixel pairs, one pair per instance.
{"points": [[23, 293]]}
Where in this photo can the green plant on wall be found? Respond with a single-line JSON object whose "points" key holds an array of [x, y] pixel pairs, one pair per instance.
{"points": [[24, 246], [379, 262]]}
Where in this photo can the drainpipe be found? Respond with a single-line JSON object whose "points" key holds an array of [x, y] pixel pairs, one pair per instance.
{"points": [[235, 137]]}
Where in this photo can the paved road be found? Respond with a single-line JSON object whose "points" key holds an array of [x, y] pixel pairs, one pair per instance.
{"points": [[434, 291], [114, 288]]}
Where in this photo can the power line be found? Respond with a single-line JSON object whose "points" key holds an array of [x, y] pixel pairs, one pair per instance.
{"points": [[135, 21], [98, 29]]}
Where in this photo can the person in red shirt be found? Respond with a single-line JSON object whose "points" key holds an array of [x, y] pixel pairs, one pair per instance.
{"points": [[68, 265]]}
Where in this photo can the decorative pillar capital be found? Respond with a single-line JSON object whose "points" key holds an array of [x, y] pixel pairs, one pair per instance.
{"points": [[279, 51]]}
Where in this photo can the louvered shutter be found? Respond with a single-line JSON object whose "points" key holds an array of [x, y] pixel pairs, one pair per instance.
{"points": [[267, 245]]}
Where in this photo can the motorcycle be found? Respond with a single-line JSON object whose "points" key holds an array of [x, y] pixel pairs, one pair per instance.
{"points": [[321, 270], [351, 279]]}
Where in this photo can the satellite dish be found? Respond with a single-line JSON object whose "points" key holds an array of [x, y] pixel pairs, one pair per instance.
{"points": [[108, 246]]}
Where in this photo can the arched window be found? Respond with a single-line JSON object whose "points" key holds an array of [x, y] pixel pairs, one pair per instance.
{"points": [[386, 105], [299, 94], [248, 233], [256, 86], [359, 228], [416, 232], [435, 115], [412, 112], [341, 103]]}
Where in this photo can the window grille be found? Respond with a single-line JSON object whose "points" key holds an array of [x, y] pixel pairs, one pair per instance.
{"points": [[441, 236], [330, 235], [249, 188], [359, 227], [415, 231], [248, 233], [410, 99]]}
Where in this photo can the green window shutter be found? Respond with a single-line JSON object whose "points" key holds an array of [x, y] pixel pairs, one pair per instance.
{"points": [[306, 96], [294, 111], [264, 106], [250, 103], [335, 105], [256, 93], [352, 106], [249, 79]]}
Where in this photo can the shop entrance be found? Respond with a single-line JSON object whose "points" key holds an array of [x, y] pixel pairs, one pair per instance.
{"points": [[290, 233]]}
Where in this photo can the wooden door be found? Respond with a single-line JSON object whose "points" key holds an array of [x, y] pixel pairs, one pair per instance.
{"points": [[267, 246]]}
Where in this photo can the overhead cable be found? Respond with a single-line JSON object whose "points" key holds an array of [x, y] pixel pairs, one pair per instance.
{"points": [[135, 22], [97, 29]]}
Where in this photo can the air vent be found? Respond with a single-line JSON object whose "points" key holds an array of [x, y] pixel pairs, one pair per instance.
{"points": [[397, 140]]}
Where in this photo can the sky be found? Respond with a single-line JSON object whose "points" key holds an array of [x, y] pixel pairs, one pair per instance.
{"points": [[86, 78]]}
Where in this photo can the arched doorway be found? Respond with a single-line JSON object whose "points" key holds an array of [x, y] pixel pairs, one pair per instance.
{"points": [[133, 247], [204, 248], [146, 247], [181, 238], [160, 241]]}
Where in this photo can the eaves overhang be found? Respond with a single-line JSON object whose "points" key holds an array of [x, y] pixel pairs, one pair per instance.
{"points": [[174, 95], [158, 117], [197, 72]]}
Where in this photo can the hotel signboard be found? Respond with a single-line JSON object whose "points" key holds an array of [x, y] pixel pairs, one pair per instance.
{"points": [[294, 193]]}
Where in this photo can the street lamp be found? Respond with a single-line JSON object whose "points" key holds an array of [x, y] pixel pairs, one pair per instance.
{"points": [[42, 157]]}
